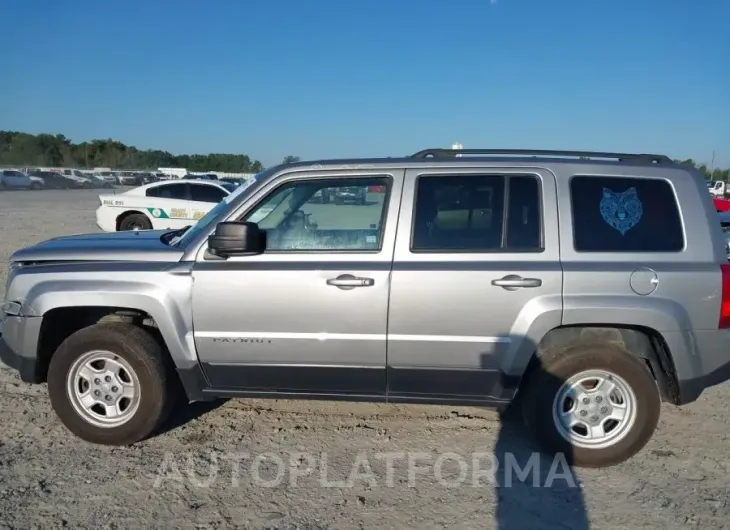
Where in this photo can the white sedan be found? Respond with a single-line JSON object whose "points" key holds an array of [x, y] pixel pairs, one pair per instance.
{"points": [[160, 205]]}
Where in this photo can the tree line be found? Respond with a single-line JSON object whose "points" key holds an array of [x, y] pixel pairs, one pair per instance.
{"points": [[23, 149]]}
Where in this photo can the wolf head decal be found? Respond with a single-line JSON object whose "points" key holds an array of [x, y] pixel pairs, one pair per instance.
{"points": [[621, 210]]}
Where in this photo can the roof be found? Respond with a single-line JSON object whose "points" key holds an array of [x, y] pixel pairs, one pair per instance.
{"points": [[431, 157], [140, 190]]}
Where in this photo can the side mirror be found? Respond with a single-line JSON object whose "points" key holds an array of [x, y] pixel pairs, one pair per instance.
{"points": [[237, 238]]}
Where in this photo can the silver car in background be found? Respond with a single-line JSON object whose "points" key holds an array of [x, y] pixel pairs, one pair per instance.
{"points": [[12, 179]]}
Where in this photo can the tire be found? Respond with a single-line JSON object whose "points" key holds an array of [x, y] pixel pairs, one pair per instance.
{"points": [[135, 221], [36, 186], [151, 369], [540, 396]]}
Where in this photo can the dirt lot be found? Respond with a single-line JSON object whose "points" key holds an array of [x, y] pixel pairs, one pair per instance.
{"points": [[197, 473]]}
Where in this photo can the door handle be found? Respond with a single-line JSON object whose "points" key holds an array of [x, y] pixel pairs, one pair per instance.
{"points": [[348, 281], [512, 282]]}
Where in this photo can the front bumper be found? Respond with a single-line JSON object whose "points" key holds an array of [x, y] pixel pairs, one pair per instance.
{"points": [[26, 367], [19, 346]]}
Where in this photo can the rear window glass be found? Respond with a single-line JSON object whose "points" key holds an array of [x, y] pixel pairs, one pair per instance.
{"points": [[620, 214]]}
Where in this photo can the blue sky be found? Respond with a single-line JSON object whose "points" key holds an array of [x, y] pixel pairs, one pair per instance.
{"points": [[339, 78]]}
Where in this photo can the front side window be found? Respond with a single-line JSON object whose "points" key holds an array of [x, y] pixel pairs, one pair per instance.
{"points": [[324, 215], [469, 213], [621, 214]]}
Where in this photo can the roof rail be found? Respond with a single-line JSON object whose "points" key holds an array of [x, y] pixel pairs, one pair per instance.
{"points": [[621, 157]]}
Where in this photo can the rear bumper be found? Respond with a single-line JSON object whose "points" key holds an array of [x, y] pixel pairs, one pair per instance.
{"points": [[691, 389], [701, 359]]}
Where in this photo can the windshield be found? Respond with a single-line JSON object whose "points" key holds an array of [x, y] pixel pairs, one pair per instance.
{"points": [[192, 232]]}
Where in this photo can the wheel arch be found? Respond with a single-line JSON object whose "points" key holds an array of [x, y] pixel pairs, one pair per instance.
{"points": [[122, 216], [643, 342], [162, 317]]}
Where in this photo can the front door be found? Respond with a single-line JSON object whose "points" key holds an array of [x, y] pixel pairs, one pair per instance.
{"points": [[309, 315], [476, 282]]}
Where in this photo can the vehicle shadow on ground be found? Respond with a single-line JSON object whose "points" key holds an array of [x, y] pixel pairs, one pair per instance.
{"points": [[534, 489], [183, 413]]}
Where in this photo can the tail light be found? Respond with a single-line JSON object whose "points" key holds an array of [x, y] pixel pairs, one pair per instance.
{"points": [[725, 300]]}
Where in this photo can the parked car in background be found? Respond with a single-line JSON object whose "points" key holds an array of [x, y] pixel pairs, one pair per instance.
{"points": [[82, 178], [351, 195], [160, 205], [107, 176], [721, 205], [717, 188], [149, 178], [53, 181], [12, 179], [128, 178], [99, 182]]}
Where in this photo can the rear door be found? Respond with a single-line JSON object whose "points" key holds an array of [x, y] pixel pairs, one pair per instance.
{"points": [[202, 198], [169, 205], [476, 282]]}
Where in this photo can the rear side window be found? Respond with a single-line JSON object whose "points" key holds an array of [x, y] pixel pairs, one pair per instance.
{"points": [[477, 213], [619, 214], [170, 191], [204, 193]]}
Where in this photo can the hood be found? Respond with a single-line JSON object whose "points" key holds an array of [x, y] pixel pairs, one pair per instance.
{"points": [[144, 245]]}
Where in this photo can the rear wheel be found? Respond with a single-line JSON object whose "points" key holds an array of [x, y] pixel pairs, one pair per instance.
{"points": [[597, 404], [135, 221], [110, 384]]}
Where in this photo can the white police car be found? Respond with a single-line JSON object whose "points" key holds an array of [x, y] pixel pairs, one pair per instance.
{"points": [[160, 205]]}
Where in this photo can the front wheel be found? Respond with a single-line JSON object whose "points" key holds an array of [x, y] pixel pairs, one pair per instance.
{"points": [[110, 384], [596, 404]]}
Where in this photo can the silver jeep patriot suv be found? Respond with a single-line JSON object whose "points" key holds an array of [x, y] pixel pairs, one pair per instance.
{"points": [[583, 288]]}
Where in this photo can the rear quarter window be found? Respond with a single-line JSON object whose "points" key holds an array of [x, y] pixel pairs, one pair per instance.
{"points": [[168, 191], [621, 214]]}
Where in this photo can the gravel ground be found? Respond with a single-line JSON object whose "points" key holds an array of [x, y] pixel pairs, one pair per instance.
{"points": [[237, 464]]}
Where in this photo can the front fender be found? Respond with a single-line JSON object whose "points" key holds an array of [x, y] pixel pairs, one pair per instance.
{"points": [[168, 302]]}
